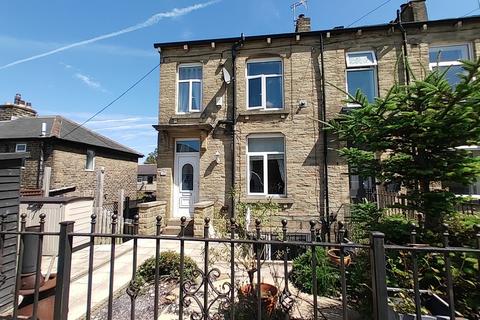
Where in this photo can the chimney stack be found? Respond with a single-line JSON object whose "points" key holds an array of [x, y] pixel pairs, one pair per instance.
{"points": [[18, 109], [414, 11], [302, 24]]}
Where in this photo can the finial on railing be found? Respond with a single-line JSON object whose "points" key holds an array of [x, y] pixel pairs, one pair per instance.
{"points": [[341, 232], [182, 226], [93, 218], [114, 218], [257, 227], [284, 224], [445, 235], [136, 219], [413, 233], [23, 221], [206, 227], [159, 225], [42, 217]]}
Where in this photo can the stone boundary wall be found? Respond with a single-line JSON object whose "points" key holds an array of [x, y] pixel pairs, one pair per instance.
{"points": [[147, 216]]}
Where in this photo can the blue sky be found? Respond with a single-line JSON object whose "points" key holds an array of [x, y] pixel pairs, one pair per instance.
{"points": [[79, 81]]}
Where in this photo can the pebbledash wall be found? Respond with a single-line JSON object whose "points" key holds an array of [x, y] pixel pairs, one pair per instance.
{"points": [[300, 53]]}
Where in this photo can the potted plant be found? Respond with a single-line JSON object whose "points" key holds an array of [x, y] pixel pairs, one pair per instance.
{"points": [[246, 254]]}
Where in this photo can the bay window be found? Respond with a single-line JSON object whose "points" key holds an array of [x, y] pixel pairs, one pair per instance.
{"points": [[265, 84], [266, 165], [189, 88], [447, 58], [362, 74]]}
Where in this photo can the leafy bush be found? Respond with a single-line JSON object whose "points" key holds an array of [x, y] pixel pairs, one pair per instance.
{"points": [[168, 265], [366, 217], [396, 228], [328, 276], [462, 228]]}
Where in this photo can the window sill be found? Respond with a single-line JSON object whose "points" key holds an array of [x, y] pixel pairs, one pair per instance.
{"points": [[267, 199], [282, 114]]}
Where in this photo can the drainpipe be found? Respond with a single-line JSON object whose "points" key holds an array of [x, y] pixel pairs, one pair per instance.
{"points": [[235, 48], [326, 214], [405, 47]]}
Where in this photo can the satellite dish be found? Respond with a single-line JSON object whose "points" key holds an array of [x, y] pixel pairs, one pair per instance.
{"points": [[226, 76]]}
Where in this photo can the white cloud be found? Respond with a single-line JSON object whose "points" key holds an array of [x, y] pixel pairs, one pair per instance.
{"points": [[176, 12], [88, 81]]}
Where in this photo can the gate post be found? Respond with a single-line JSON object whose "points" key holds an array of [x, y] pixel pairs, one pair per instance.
{"points": [[63, 270], [379, 276]]}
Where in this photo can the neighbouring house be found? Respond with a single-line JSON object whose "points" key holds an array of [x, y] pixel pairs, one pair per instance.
{"points": [[147, 179], [246, 112], [73, 153]]}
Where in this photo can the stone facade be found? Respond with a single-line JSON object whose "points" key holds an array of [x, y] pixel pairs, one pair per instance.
{"points": [[69, 169], [67, 161], [301, 128]]}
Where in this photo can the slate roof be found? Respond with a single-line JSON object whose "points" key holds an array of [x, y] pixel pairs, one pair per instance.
{"points": [[147, 169], [60, 128]]}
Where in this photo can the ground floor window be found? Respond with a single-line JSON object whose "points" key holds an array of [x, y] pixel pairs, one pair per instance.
{"points": [[266, 165]]}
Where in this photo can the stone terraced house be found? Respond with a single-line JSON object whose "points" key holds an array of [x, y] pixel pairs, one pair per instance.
{"points": [[246, 112], [74, 154]]}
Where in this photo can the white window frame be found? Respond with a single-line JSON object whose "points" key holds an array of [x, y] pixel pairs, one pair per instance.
{"points": [[263, 78], [17, 147], [93, 160], [190, 82], [434, 64], [265, 165], [360, 67]]}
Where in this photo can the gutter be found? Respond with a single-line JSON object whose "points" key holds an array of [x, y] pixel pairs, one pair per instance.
{"points": [[334, 31]]}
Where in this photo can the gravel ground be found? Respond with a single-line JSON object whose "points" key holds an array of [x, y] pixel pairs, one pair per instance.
{"points": [[144, 303]]}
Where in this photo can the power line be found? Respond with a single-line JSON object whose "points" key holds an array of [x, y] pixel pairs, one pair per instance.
{"points": [[114, 100], [469, 13], [369, 13]]}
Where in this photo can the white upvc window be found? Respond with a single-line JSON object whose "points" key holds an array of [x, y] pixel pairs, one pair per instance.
{"points": [[266, 165], [361, 73], [90, 160], [265, 84], [449, 57], [189, 88], [20, 147]]}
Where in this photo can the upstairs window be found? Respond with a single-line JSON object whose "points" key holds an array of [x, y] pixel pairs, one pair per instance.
{"points": [[20, 147], [90, 160], [189, 88], [362, 74], [448, 57], [266, 165], [265, 84]]}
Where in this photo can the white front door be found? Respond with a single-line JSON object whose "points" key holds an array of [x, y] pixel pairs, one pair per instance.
{"points": [[186, 177]]}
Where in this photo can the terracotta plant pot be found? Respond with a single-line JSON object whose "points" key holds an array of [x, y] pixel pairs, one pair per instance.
{"points": [[268, 292], [334, 255]]}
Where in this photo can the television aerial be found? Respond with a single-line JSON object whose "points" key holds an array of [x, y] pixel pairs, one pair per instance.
{"points": [[297, 4]]}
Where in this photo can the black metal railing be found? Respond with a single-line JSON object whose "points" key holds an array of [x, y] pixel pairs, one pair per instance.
{"points": [[200, 298]]}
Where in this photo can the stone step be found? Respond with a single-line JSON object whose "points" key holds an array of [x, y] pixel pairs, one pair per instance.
{"points": [[171, 231], [175, 222]]}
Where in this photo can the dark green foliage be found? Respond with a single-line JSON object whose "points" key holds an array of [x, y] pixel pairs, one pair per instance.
{"points": [[366, 217], [169, 265], [328, 283], [462, 229], [417, 128]]}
